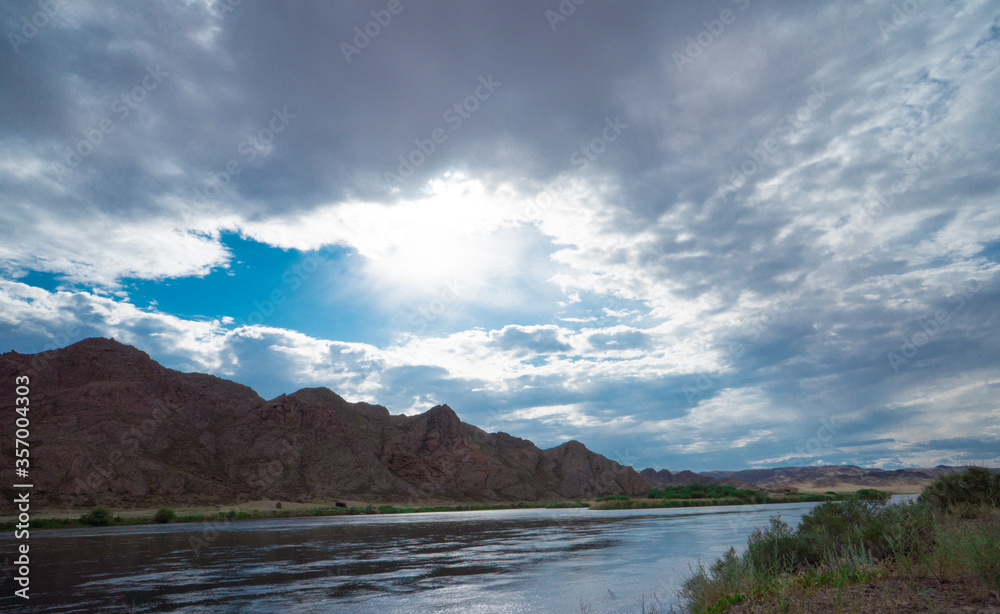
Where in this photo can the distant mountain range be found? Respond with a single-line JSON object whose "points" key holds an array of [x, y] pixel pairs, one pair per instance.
{"points": [[111, 426], [794, 479], [835, 477]]}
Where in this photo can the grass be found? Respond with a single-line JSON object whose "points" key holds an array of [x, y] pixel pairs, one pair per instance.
{"points": [[865, 555], [672, 499], [102, 516]]}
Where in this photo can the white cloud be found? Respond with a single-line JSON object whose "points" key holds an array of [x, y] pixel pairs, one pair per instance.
{"points": [[100, 250]]}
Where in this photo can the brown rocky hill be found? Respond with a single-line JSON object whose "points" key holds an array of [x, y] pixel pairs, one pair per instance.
{"points": [[109, 425]]}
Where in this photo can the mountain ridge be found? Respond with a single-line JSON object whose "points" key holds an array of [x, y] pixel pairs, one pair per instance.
{"points": [[110, 425]]}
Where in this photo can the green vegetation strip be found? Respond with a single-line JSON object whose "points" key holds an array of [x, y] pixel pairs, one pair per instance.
{"points": [[951, 533], [101, 516], [698, 495]]}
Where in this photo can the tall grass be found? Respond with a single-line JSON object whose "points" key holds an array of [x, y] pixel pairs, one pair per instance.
{"points": [[953, 530]]}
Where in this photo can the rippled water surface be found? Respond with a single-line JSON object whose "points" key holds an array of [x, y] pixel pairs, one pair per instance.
{"points": [[497, 562]]}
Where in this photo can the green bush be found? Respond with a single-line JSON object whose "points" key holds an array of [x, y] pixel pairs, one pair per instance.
{"points": [[983, 548], [164, 515], [872, 496], [707, 491], [973, 487], [100, 516], [386, 509], [613, 498], [773, 550]]}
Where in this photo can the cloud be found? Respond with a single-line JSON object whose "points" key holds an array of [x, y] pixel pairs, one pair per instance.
{"points": [[794, 222], [530, 340]]}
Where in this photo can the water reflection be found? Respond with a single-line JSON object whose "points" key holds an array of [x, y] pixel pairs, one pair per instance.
{"points": [[496, 562]]}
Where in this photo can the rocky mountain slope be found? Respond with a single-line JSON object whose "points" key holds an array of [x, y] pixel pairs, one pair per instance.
{"points": [[109, 425]]}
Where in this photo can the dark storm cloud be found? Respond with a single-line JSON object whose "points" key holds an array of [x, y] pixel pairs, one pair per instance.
{"points": [[817, 179], [972, 446], [355, 119]]}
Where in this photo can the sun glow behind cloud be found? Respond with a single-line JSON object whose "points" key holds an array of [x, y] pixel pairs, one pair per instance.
{"points": [[455, 232], [528, 290]]}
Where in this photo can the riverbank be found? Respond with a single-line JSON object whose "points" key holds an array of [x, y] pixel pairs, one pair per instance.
{"points": [[626, 503], [255, 510], [939, 554]]}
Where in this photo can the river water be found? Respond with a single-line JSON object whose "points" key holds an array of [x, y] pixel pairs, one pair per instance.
{"points": [[519, 561]]}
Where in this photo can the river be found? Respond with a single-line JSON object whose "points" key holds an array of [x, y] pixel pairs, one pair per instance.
{"points": [[518, 561]]}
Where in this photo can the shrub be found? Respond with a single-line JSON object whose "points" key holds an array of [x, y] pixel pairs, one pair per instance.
{"points": [[773, 550], [707, 491], [983, 548], [100, 516], [726, 583], [909, 532], [973, 487], [164, 515], [872, 496]]}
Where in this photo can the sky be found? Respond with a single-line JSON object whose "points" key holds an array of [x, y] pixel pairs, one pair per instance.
{"points": [[717, 235]]}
